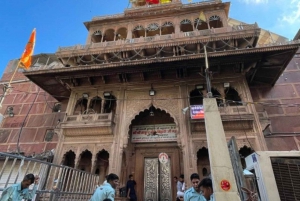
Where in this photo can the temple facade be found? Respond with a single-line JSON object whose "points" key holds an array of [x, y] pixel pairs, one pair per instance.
{"points": [[135, 90]]}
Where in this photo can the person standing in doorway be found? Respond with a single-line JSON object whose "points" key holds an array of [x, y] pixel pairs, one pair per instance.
{"points": [[180, 191], [106, 191], [194, 193], [20, 191], [130, 189]]}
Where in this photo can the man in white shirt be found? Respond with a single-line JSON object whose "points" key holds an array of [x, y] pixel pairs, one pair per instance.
{"points": [[180, 191]]}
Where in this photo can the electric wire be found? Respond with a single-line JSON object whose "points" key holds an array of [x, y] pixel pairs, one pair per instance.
{"points": [[266, 104], [23, 123]]}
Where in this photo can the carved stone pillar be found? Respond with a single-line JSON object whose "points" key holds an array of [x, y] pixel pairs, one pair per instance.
{"points": [[117, 151], [187, 151], [94, 162]]}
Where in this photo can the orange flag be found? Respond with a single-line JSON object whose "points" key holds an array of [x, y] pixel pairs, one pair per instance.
{"points": [[28, 52]]}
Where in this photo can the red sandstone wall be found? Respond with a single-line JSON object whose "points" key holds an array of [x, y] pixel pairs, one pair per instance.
{"points": [[40, 118], [284, 120]]}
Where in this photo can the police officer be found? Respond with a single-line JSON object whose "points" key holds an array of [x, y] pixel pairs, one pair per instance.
{"points": [[107, 190]]}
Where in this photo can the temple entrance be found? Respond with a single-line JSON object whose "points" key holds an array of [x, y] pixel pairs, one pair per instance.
{"points": [[157, 180], [152, 132]]}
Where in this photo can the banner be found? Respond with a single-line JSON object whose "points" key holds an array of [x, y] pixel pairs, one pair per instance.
{"points": [[154, 133], [197, 112]]}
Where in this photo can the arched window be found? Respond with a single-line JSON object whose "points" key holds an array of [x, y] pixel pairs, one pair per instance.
{"points": [[95, 104], [102, 164], [200, 25], [232, 97], [203, 165], [138, 31], [69, 159], [196, 97], [186, 25], [215, 22], [153, 29], [109, 104], [109, 35], [85, 162], [167, 28], [80, 106], [121, 34], [97, 37], [216, 94]]}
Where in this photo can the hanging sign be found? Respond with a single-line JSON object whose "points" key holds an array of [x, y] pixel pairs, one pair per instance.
{"points": [[154, 133], [225, 185], [197, 111], [163, 158]]}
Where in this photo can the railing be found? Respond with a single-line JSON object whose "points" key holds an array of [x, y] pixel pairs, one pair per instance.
{"points": [[232, 110], [207, 32], [88, 117], [56, 182]]}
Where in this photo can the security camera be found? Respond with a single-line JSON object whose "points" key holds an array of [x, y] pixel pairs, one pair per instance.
{"points": [[185, 109]]}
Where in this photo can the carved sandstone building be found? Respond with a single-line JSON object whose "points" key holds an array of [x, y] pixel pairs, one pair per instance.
{"points": [[139, 70]]}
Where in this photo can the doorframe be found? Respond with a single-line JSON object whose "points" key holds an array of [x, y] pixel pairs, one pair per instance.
{"points": [[143, 151]]}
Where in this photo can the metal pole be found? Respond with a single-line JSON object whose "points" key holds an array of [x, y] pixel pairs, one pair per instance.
{"points": [[209, 94]]}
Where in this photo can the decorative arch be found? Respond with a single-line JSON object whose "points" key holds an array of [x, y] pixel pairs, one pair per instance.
{"points": [[233, 96], [121, 33], [85, 161], [109, 35], [96, 104], [167, 28], [153, 29], [217, 94], [97, 36], [200, 25], [101, 164], [215, 22], [203, 165], [196, 97], [69, 159], [138, 31], [81, 106], [186, 25], [144, 107]]}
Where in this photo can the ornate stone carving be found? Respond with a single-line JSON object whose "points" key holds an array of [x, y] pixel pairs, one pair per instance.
{"points": [[142, 102], [199, 145], [246, 142], [105, 130]]}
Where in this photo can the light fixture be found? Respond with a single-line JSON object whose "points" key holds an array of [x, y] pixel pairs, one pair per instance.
{"points": [[199, 86], [152, 91], [106, 94], [10, 111], [226, 84], [85, 95], [151, 111]]}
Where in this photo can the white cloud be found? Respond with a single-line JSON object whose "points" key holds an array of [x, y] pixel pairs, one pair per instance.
{"points": [[292, 14], [254, 1]]}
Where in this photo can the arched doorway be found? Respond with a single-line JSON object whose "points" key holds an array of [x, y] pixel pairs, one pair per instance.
{"points": [[152, 132], [102, 165], [203, 165]]}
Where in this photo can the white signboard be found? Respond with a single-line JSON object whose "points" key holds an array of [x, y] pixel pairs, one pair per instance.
{"points": [[163, 158], [154, 133]]}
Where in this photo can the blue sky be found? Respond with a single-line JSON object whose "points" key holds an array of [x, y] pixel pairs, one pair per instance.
{"points": [[60, 23]]}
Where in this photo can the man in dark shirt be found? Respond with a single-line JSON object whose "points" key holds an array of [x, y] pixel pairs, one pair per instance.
{"points": [[130, 189]]}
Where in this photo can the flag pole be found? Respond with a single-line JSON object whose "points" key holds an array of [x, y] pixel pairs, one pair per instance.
{"points": [[25, 60], [9, 84]]}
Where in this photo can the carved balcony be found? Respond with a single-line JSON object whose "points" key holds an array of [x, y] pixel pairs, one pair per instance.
{"points": [[181, 37], [87, 124]]}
